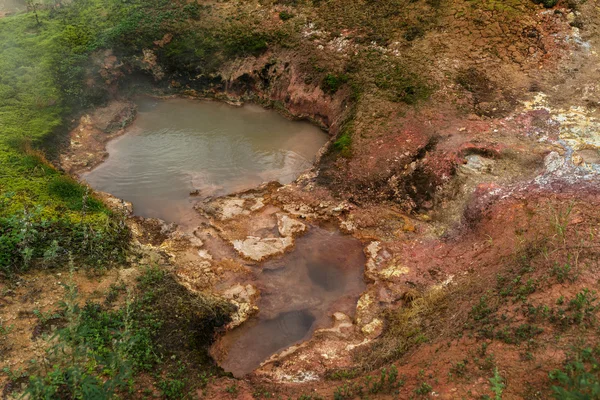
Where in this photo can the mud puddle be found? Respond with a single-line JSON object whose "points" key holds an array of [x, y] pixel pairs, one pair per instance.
{"points": [[13, 6], [299, 293], [177, 146]]}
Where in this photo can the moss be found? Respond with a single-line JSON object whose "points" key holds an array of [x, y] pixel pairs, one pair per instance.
{"points": [[73, 194], [343, 144]]}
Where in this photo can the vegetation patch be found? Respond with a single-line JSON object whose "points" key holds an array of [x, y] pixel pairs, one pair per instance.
{"points": [[332, 83], [162, 333], [388, 382], [405, 328], [44, 215], [580, 376], [402, 85]]}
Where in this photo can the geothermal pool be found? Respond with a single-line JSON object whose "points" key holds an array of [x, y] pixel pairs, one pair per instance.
{"points": [[179, 146], [300, 292]]}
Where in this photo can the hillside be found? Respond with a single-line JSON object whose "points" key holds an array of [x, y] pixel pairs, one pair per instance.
{"points": [[463, 156]]}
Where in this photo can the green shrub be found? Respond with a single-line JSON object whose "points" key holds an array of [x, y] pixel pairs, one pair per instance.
{"points": [[86, 361], [94, 354], [32, 238], [497, 384], [546, 3], [580, 376], [423, 389], [332, 83], [284, 15], [482, 309]]}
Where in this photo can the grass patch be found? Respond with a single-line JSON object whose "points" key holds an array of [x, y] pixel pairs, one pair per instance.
{"points": [[405, 327], [42, 212]]}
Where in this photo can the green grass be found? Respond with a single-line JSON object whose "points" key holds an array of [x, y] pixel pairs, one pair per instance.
{"points": [[162, 330], [42, 212]]}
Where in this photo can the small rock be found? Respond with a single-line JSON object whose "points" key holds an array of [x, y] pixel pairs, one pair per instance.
{"points": [[288, 226], [204, 254], [258, 249], [553, 162], [373, 329]]}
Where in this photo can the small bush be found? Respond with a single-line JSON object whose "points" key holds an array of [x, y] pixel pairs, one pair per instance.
{"points": [[497, 384], [580, 376], [332, 83], [581, 310], [482, 309], [423, 389], [546, 3], [460, 368], [563, 272], [284, 15]]}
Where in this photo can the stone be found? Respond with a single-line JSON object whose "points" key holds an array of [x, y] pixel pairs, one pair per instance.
{"points": [[243, 297], [553, 162], [393, 271], [204, 254], [373, 329], [289, 227], [259, 249], [231, 208]]}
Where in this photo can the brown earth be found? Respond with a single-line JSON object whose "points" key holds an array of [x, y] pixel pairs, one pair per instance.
{"points": [[466, 201]]}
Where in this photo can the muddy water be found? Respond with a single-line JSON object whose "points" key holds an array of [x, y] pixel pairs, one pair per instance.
{"points": [[177, 146], [12, 6], [300, 291]]}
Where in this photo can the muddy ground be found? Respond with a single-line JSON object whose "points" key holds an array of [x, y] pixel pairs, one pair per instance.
{"points": [[476, 210]]}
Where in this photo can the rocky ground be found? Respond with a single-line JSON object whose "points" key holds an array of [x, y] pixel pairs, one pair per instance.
{"points": [[476, 210]]}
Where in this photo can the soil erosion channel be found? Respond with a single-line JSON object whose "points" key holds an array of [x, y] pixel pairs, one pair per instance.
{"points": [[179, 146]]}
